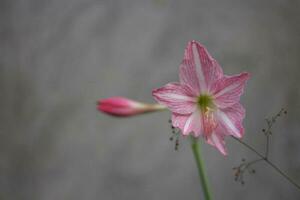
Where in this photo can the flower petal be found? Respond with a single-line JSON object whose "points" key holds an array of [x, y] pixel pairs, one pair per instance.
{"points": [[178, 98], [217, 140], [178, 120], [227, 91], [188, 124], [198, 61], [230, 120], [188, 76], [193, 125]]}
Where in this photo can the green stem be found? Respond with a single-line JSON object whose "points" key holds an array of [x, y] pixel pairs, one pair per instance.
{"points": [[200, 166]]}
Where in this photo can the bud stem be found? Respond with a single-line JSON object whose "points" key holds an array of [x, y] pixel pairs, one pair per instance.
{"points": [[153, 108], [156, 107]]}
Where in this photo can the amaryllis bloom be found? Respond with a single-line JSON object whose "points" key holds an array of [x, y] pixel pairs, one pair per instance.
{"points": [[205, 102], [123, 107]]}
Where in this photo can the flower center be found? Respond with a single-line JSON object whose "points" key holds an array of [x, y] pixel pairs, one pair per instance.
{"points": [[207, 107], [205, 102]]}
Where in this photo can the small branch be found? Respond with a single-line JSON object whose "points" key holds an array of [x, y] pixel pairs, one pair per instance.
{"points": [[249, 147], [267, 146], [244, 167], [283, 174], [269, 163]]}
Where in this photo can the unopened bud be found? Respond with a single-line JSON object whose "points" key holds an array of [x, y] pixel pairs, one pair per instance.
{"points": [[123, 107]]}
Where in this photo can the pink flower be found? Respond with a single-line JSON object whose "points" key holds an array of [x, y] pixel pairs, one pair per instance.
{"points": [[123, 107], [205, 102]]}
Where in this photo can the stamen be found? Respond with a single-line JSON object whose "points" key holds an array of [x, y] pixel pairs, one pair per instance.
{"points": [[209, 121]]}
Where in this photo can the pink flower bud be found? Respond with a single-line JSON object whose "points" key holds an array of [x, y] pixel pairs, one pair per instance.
{"points": [[123, 107]]}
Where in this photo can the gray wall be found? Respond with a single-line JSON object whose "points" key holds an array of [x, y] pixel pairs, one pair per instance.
{"points": [[58, 57]]}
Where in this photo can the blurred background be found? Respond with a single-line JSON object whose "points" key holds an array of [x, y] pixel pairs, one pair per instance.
{"points": [[57, 58]]}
